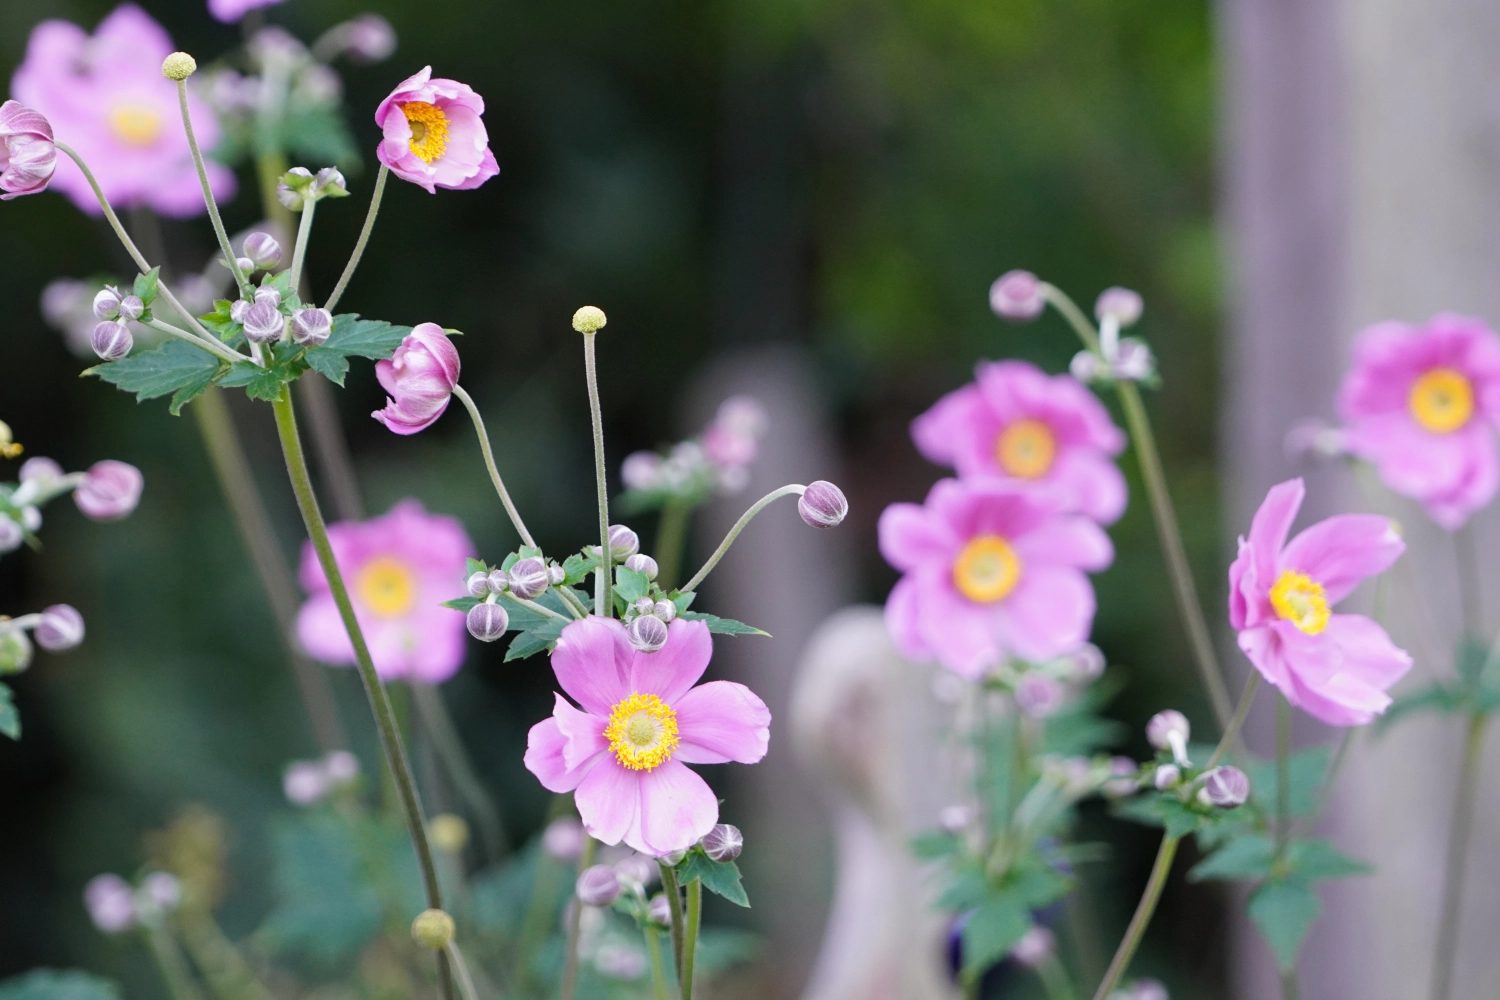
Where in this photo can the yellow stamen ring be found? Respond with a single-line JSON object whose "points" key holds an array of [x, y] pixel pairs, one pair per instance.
{"points": [[1442, 400], [134, 124], [387, 586], [642, 732], [1300, 599], [1026, 449], [987, 569], [429, 129]]}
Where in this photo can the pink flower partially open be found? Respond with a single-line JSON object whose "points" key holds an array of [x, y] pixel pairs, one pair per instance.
{"points": [[399, 568], [1336, 668], [433, 134], [230, 11], [992, 570], [105, 96], [624, 751], [1017, 423], [27, 155], [420, 378], [1422, 403]]}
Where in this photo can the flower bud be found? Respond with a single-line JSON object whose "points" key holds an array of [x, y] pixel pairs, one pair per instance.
{"points": [[107, 303], [623, 542], [41, 470], [433, 930], [178, 66], [647, 633], [163, 890], [449, 832], [110, 490], [111, 340], [419, 379], [556, 574], [665, 610], [1134, 361], [11, 534], [15, 651], [661, 910], [589, 319], [598, 886], [267, 294], [1038, 695], [487, 622], [499, 580], [370, 38], [1120, 304], [642, 564], [641, 470], [237, 310], [311, 327], [293, 187], [1087, 367], [110, 903], [1017, 295], [1166, 776], [131, 307], [1166, 728], [341, 766], [61, 628], [263, 324], [1225, 787], [479, 584], [262, 249], [643, 606], [1123, 773], [724, 842], [955, 818], [1035, 946], [823, 505], [304, 783], [245, 264], [330, 183], [31, 518], [1087, 663], [563, 839], [1146, 989], [637, 869], [674, 858], [528, 578]]}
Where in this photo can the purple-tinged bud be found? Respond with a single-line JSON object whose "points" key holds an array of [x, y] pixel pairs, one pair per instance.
{"points": [[637, 869], [1133, 361], [647, 633], [1122, 782], [1120, 304], [107, 303], [1038, 695], [330, 181], [1225, 787], [823, 505], [641, 470], [237, 310], [479, 584], [724, 842], [1087, 367], [665, 610], [661, 910], [263, 324], [598, 886], [245, 264], [1035, 946], [110, 490], [40, 469], [643, 606], [305, 783], [563, 839], [1166, 729], [162, 889], [370, 38], [623, 542], [311, 327], [955, 818], [1017, 296], [1087, 662], [11, 534], [487, 622], [499, 581], [556, 574], [642, 564], [528, 578], [341, 767], [131, 307], [110, 903], [1147, 989], [1166, 776], [265, 293], [61, 628], [262, 249], [111, 340], [292, 189], [31, 518]]}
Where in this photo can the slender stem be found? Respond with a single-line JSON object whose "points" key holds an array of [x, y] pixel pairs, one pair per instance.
{"points": [[674, 902], [218, 350], [304, 232], [671, 534], [1289, 988], [602, 603], [690, 935], [460, 971], [1143, 912], [571, 600], [1470, 595], [739, 526], [540, 609], [331, 448], [170, 962], [364, 238], [575, 923], [1232, 731], [1283, 775], [240, 278], [438, 723], [1055, 979], [489, 463], [1325, 790], [270, 165], [1458, 850], [658, 967], [228, 975]]}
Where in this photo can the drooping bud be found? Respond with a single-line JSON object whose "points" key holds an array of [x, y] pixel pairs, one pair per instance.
{"points": [[1087, 367], [263, 250], [110, 903], [433, 930], [724, 842], [1035, 946], [823, 505], [589, 319], [15, 651], [1134, 361], [647, 633], [598, 886], [330, 183], [1120, 304], [479, 584], [1166, 776], [642, 564], [665, 610], [131, 307], [487, 622], [1225, 787], [623, 542], [370, 38], [1017, 296], [293, 188], [40, 470], [528, 578], [111, 340], [11, 534], [178, 66], [304, 783], [263, 324], [1167, 729], [449, 832], [61, 628], [107, 303], [110, 490], [661, 910], [311, 327], [563, 839]]}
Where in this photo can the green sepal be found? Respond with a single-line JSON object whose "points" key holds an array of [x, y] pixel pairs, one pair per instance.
{"points": [[630, 586], [146, 286]]}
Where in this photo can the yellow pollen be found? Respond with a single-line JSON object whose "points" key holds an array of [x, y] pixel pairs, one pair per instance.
{"points": [[1299, 599], [1026, 449], [987, 569], [429, 129], [134, 124], [642, 732], [1442, 400], [386, 586]]}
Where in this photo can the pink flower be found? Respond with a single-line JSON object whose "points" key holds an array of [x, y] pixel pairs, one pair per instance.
{"points": [[623, 755], [420, 378], [399, 568], [27, 156], [1422, 403], [433, 135], [992, 570], [1336, 668], [110, 490], [1022, 425], [230, 11], [105, 96]]}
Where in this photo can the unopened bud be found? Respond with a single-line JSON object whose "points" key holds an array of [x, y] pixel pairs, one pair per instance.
{"points": [[487, 622], [1225, 787], [61, 628], [1134, 361], [237, 310], [311, 327], [370, 38], [304, 783], [245, 264], [267, 294], [1120, 304], [15, 650], [1035, 946], [665, 610], [1038, 695], [661, 910], [1087, 367], [823, 505], [1017, 296], [109, 490], [1146, 989], [163, 890], [479, 584], [955, 818], [11, 534], [107, 303], [111, 340], [131, 307], [330, 183], [724, 842], [41, 470], [1166, 776], [499, 581], [433, 929], [262, 249], [110, 903], [449, 832], [647, 633], [598, 886], [563, 839], [642, 564], [1167, 728], [623, 542], [556, 574], [641, 470], [674, 858], [643, 606], [263, 324], [178, 66], [341, 766], [293, 187], [589, 319], [1087, 662], [528, 578]]}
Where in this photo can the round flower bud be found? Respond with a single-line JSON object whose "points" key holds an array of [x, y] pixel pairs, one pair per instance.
{"points": [[1038, 695], [1087, 662], [955, 818], [263, 324], [1123, 773], [111, 340], [40, 469], [449, 832], [61, 628], [823, 505], [674, 858], [665, 610], [31, 518], [556, 574], [330, 180], [265, 293], [528, 578], [237, 310], [304, 783], [262, 249], [107, 303], [11, 534], [178, 66], [499, 581], [661, 910], [563, 839], [15, 651], [109, 490], [598, 886], [1120, 304], [311, 327], [370, 38], [641, 470], [245, 264], [479, 584], [1225, 787], [623, 542], [110, 903], [724, 842], [1035, 946], [487, 622], [1133, 361], [1017, 295], [131, 307], [1166, 728], [589, 319], [647, 633], [1087, 367], [162, 889], [637, 869], [642, 564], [1166, 776], [293, 194], [341, 766], [433, 929]]}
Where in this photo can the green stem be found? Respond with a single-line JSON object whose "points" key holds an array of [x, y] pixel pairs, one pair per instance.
{"points": [[460, 971], [1283, 775], [240, 278], [270, 166], [228, 974], [1237, 721], [739, 526], [1055, 979], [1325, 789], [329, 445], [489, 463], [364, 238], [570, 959], [218, 350], [1458, 850], [602, 604], [674, 902], [690, 935], [304, 233], [1138, 923], [438, 723], [671, 536], [171, 964], [1289, 988], [540, 609], [658, 967]]}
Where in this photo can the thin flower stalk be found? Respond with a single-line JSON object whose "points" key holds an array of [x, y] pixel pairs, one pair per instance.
{"points": [[674, 902], [734, 532], [489, 463], [240, 278], [575, 921], [602, 603], [690, 935], [1458, 854], [218, 350], [671, 536], [364, 239], [658, 967], [460, 971], [304, 233], [171, 963]]}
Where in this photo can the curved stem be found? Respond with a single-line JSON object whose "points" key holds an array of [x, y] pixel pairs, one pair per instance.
{"points": [[571, 600], [218, 350], [1141, 919], [671, 534], [240, 278], [460, 971], [690, 935], [1232, 731], [304, 233], [602, 604], [1458, 850], [570, 959], [438, 723], [489, 463], [364, 238], [674, 902], [540, 609], [739, 526]]}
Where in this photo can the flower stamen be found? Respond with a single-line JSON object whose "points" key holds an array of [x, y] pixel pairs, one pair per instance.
{"points": [[429, 129], [1026, 449], [642, 732], [386, 586], [987, 569], [135, 124], [1442, 400], [1300, 599]]}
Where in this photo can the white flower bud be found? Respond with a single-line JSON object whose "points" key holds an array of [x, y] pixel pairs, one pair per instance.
{"points": [[1087, 662], [598, 886], [41, 470], [131, 307], [665, 610], [107, 303], [955, 818], [637, 869], [262, 249], [528, 578], [642, 606], [724, 842], [1133, 361], [31, 518], [499, 581], [1166, 776], [479, 584], [1166, 728], [661, 910], [330, 183], [647, 633], [263, 324], [487, 622], [563, 839], [556, 574], [163, 890], [823, 505], [641, 470], [1035, 946], [265, 293], [623, 542], [245, 264], [1225, 787], [1017, 296], [311, 327], [1038, 695], [61, 628], [11, 534], [370, 38], [110, 903], [292, 189], [674, 858], [1120, 304], [341, 767], [237, 310], [1087, 367], [111, 340], [642, 564]]}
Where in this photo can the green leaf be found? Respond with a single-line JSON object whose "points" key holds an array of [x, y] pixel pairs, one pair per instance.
{"points": [[1305, 771], [175, 367], [354, 337], [723, 626], [683, 602], [935, 844], [1319, 859], [145, 285], [1247, 856], [534, 640], [719, 877], [578, 566], [472, 566], [10, 717], [967, 887], [220, 322], [317, 133], [524, 619], [1164, 810], [259, 383], [54, 984], [630, 585], [1037, 883], [463, 604], [992, 930], [1284, 912], [1436, 698]]}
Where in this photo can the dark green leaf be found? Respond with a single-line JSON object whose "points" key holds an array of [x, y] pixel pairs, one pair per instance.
{"points": [[630, 585], [578, 566], [463, 604], [174, 367], [966, 889], [1305, 770], [1037, 884], [259, 383], [534, 640], [992, 930], [54, 984], [145, 285], [723, 626], [524, 619], [1164, 810], [1284, 912], [1247, 856], [719, 877], [1319, 859], [10, 717], [354, 337]]}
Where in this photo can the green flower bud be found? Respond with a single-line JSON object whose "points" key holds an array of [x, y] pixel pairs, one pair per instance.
{"points": [[433, 929]]}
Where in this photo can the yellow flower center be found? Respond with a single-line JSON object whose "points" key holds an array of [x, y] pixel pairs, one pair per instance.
{"points": [[1026, 449], [429, 129], [987, 569], [1442, 400], [1299, 599], [642, 732], [134, 124], [386, 586]]}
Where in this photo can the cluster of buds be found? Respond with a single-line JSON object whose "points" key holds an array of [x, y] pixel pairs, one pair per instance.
{"points": [[1219, 787], [299, 186], [55, 629], [1118, 359], [308, 782], [114, 906], [524, 578], [1042, 689], [717, 461], [259, 251], [109, 490], [268, 316]]}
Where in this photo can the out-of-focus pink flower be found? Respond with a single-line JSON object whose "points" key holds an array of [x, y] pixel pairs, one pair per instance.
{"points": [[106, 97], [991, 570], [1017, 423], [399, 568], [110, 903], [230, 11], [624, 754], [1017, 295], [1336, 668], [1422, 403], [27, 155], [420, 378], [110, 490], [433, 134]]}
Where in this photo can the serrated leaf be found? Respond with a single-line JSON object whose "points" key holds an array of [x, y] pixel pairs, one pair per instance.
{"points": [[1247, 856], [1284, 911], [354, 337], [723, 626], [1305, 770], [578, 566], [524, 619], [220, 322], [534, 640], [173, 367], [630, 585], [464, 604], [258, 382], [683, 601], [1319, 859], [719, 877], [529, 552], [329, 364], [10, 716], [146, 285], [58, 984], [472, 566], [992, 930]]}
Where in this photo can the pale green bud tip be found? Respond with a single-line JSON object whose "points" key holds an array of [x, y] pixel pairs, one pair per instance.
{"points": [[589, 319], [433, 929], [449, 832], [179, 66]]}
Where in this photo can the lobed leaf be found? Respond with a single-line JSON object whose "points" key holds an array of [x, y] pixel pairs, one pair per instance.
{"points": [[534, 640], [1284, 911], [992, 930], [1319, 859], [1305, 770], [723, 626], [354, 337], [175, 367], [719, 877], [1247, 856]]}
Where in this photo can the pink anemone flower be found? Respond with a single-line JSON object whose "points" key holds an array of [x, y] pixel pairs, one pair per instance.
{"points": [[27, 156], [420, 378], [624, 752], [105, 96], [991, 570], [1336, 668], [1017, 423], [433, 134], [1422, 403], [399, 568]]}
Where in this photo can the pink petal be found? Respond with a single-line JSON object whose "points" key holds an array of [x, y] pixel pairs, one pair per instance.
{"points": [[1475, 490], [903, 621], [1342, 551], [609, 800], [1066, 540], [487, 168], [671, 671], [722, 721], [677, 809], [1263, 649], [1269, 528], [321, 632], [1369, 654], [583, 734], [1092, 483], [592, 662], [544, 758], [910, 534], [1049, 613], [962, 635], [935, 432], [1413, 461]]}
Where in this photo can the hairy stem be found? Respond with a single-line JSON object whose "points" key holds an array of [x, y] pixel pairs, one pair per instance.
{"points": [[1142, 918], [1458, 851], [671, 538], [570, 959], [304, 233], [460, 971], [240, 278], [690, 935], [438, 723], [215, 348], [602, 603], [673, 893], [1237, 721], [489, 463], [739, 526], [364, 239]]}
